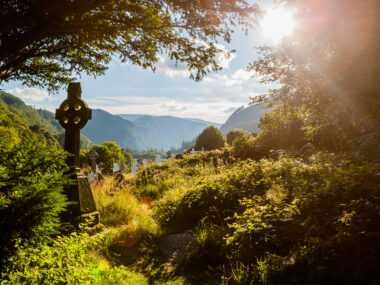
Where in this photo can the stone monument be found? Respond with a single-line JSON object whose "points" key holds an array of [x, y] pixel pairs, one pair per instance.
{"points": [[115, 167], [134, 167], [192, 152], [73, 115], [93, 156], [122, 167]]}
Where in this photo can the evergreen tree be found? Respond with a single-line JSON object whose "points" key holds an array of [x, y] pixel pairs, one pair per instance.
{"points": [[31, 193]]}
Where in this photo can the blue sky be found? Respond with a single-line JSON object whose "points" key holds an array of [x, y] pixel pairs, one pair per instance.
{"points": [[127, 89]]}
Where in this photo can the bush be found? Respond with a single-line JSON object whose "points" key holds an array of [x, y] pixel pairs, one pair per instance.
{"points": [[314, 222], [234, 134], [311, 221], [248, 148], [211, 138], [68, 260], [212, 195], [31, 198]]}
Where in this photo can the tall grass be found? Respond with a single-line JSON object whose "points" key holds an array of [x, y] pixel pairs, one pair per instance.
{"points": [[129, 219]]}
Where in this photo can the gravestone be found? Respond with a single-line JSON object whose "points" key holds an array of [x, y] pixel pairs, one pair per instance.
{"points": [[115, 167], [93, 156], [158, 158], [134, 167], [91, 176], [122, 167], [192, 152], [73, 115], [145, 162]]}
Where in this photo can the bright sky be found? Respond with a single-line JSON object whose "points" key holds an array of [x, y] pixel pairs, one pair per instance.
{"points": [[127, 89]]}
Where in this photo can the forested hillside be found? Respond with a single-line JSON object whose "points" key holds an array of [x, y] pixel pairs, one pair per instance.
{"points": [[19, 121]]}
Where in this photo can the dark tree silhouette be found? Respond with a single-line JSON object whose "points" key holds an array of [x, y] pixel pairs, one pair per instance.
{"points": [[43, 43]]}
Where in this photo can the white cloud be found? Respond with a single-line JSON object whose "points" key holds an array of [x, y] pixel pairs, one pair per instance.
{"points": [[223, 60], [215, 109], [29, 94], [215, 98], [171, 68]]}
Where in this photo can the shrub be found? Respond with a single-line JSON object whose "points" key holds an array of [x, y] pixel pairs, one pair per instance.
{"points": [[315, 222], [311, 221], [68, 260], [234, 134], [31, 199], [212, 195], [207, 247], [247, 148]]}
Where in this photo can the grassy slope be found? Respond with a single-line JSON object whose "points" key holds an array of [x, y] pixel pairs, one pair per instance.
{"points": [[267, 221]]}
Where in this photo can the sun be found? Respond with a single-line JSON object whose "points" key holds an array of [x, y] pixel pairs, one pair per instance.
{"points": [[278, 23]]}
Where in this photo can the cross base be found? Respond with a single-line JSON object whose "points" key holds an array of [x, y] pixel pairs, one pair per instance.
{"points": [[80, 193]]}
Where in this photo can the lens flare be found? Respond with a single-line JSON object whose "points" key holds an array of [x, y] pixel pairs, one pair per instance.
{"points": [[278, 23]]}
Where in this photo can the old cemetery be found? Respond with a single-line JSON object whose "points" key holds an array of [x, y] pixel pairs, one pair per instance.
{"points": [[226, 211], [145, 184]]}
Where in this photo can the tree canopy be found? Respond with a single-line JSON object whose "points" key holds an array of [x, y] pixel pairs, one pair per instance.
{"points": [[211, 138], [45, 43], [234, 134]]}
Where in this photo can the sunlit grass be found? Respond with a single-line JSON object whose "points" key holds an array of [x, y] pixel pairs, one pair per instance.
{"points": [[128, 218]]}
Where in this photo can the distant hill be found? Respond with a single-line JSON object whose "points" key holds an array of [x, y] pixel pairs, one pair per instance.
{"points": [[143, 132], [246, 118], [25, 120], [107, 127], [131, 117]]}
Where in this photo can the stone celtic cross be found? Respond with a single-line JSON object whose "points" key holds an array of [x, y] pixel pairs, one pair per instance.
{"points": [[73, 115]]}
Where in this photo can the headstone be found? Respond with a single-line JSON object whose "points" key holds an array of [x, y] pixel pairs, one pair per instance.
{"points": [[115, 167], [122, 167], [97, 169], [192, 152], [158, 158], [73, 115], [145, 162], [134, 167], [91, 176], [93, 156]]}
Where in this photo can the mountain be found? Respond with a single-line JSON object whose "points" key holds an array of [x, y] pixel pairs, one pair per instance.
{"points": [[107, 127], [131, 117], [168, 131], [246, 118], [19, 121], [143, 132]]}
